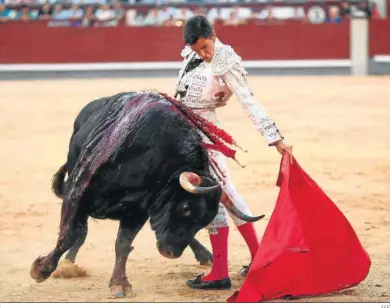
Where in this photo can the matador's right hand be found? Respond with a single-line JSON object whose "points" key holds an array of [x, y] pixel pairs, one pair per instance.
{"points": [[282, 147]]}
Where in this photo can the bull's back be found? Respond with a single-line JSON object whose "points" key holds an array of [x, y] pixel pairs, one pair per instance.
{"points": [[157, 143], [161, 143], [92, 108], [87, 111], [85, 122]]}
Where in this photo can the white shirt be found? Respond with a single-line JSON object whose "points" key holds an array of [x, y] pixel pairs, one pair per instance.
{"points": [[210, 86]]}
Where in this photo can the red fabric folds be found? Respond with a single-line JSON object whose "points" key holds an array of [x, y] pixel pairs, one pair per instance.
{"points": [[308, 248]]}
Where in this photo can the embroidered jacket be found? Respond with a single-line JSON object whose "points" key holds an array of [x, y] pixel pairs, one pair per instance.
{"points": [[206, 86]]}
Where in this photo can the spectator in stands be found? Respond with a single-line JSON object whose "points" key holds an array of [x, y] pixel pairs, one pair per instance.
{"points": [[8, 14], [25, 13], [4, 12], [60, 14], [106, 16], [374, 11], [154, 2], [270, 18], [171, 21], [11, 2], [133, 19], [233, 19], [244, 13], [76, 13], [152, 18], [184, 13], [166, 13], [299, 14], [345, 9], [93, 2], [118, 9], [89, 17], [214, 15], [365, 8], [254, 18], [45, 11], [333, 15], [200, 11]]}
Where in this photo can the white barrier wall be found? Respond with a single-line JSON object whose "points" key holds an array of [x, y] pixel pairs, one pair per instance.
{"points": [[359, 46]]}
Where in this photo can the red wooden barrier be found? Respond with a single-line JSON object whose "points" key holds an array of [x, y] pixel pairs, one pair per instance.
{"points": [[380, 37], [35, 42]]}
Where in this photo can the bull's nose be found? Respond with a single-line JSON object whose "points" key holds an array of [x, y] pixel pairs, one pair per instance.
{"points": [[168, 254]]}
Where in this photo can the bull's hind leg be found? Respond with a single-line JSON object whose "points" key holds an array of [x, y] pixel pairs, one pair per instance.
{"points": [[67, 267], [202, 255], [43, 267], [128, 229]]}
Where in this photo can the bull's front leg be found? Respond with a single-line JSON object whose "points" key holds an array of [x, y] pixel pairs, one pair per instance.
{"points": [[202, 255], [128, 229]]}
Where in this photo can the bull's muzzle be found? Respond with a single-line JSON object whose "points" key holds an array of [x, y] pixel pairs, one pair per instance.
{"points": [[167, 253]]}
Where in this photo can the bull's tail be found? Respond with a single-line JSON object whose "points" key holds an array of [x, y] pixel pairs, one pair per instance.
{"points": [[58, 181]]}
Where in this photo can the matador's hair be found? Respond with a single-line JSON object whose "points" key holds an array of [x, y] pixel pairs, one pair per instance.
{"points": [[196, 27]]}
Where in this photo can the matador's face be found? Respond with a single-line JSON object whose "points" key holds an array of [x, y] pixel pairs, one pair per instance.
{"points": [[204, 47]]}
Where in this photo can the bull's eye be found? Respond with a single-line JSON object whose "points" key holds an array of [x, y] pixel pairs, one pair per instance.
{"points": [[186, 210]]}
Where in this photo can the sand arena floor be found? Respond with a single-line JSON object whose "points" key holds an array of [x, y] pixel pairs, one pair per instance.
{"points": [[340, 128]]}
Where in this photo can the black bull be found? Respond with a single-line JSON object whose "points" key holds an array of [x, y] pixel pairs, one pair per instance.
{"points": [[133, 157]]}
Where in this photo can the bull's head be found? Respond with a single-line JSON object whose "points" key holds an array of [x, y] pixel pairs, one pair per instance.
{"points": [[190, 180], [191, 207]]}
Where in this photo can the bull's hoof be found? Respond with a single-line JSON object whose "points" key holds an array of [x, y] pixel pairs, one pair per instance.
{"points": [[119, 291], [121, 287], [39, 271], [206, 263], [67, 269], [204, 257]]}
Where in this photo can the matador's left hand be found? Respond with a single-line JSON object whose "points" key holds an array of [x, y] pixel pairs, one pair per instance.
{"points": [[283, 147]]}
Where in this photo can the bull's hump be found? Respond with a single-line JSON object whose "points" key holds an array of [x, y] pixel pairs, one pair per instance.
{"points": [[142, 102]]}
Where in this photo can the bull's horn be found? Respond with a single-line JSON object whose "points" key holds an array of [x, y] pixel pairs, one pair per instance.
{"points": [[236, 212], [190, 181]]}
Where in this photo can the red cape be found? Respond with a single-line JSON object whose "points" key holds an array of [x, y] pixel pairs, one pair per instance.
{"points": [[308, 248]]}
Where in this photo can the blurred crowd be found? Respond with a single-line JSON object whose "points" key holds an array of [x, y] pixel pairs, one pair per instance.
{"points": [[95, 13]]}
